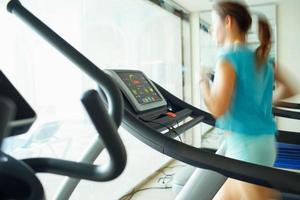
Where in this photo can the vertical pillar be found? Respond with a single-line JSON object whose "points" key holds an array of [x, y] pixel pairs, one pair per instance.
{"points": [[195, 54]]}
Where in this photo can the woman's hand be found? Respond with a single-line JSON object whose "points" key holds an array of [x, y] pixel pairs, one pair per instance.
{"points": [[205, 75], [217, 96], [283, 89]]}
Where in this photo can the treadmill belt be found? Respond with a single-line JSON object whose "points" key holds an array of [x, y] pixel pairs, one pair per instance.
{"points": [[288, 156]]}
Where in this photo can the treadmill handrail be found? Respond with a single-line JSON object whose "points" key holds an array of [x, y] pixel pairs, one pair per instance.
{"points": [[107, 132], [289, 137], [290, 105], [286, 113], [285, 181], [113, 94]]}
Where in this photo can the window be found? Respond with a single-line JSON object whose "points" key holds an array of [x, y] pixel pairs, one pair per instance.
{"points": [[127, 34]]}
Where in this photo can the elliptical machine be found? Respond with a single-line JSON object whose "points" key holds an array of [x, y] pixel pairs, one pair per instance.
{"points": [[18, 178]]}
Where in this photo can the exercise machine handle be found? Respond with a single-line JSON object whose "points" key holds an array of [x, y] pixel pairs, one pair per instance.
{"points": [[18, 181], [107, 132], [109, 119]]}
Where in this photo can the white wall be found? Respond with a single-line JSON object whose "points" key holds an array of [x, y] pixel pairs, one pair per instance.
{"points": [[289, 41]]}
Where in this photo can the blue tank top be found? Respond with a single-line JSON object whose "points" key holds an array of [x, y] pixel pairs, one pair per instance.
{"points": [[250, 111]]}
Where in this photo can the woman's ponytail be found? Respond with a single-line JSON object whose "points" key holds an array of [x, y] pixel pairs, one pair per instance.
{"points": [[265, 39]]}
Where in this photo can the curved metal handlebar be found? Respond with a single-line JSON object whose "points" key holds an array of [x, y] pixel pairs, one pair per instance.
{"points": [[106, 127], [113, 94], [111, 139], [18, 181]]}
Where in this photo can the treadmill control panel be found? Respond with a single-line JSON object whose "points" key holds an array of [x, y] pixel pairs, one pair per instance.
{"points": [[139, 90]]}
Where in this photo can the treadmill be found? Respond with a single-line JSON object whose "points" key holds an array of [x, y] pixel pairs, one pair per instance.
{"points": [[149, 110]]}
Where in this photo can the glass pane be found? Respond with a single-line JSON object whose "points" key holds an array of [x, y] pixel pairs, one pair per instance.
{"points": [[132, 34], [128, 34], [135, 34]]}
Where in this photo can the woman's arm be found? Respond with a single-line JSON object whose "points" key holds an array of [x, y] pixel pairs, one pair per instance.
{"points": [[217, 97], [283, 89]]}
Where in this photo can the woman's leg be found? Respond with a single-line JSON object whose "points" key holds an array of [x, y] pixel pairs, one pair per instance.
{"points": [[250, 191], [260, 150], [238, 190], [228, 191]]}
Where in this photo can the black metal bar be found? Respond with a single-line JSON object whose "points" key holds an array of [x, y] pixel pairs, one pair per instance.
{"points": [[286, 113], [289, 137], [113, 94], [290, 105], [18, 181], [284, 181], [111, 139]]}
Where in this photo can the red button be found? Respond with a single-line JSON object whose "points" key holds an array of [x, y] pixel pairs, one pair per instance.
{"points": [[170, 114]]}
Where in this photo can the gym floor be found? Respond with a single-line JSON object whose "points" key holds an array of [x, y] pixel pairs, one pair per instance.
{"points": [[158, 186]]}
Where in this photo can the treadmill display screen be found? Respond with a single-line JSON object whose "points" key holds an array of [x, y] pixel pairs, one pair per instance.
{"points": [[141, 89]]}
